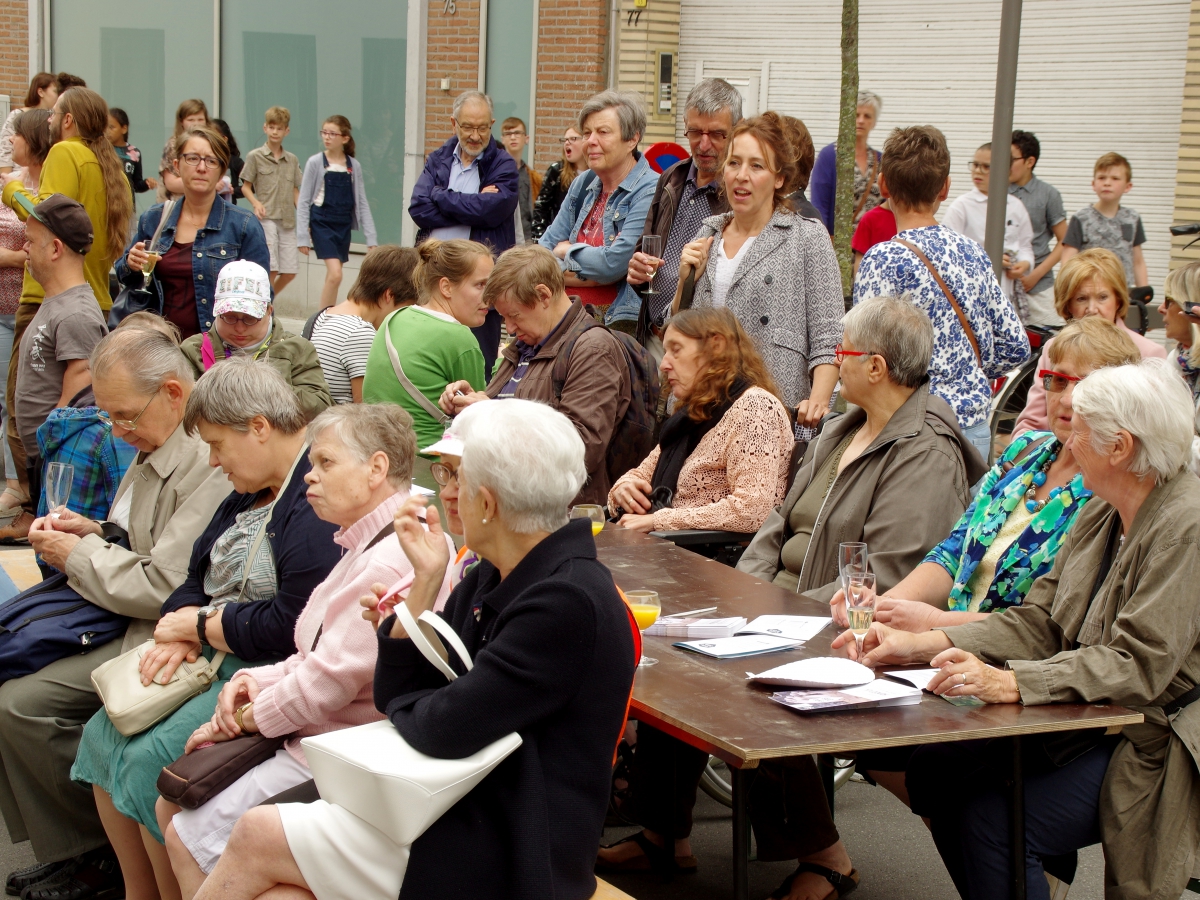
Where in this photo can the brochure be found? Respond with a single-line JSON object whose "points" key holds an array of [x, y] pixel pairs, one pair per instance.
{"points": [[695, 629], [796, 628], [734, 647], [880, 692]]}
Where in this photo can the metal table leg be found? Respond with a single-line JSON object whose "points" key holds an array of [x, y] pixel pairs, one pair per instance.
{"points": [[1016, 823], [741, 833]]}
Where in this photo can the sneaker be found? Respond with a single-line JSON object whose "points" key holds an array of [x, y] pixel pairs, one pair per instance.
{"points": [[22, 878], [97, 876]]}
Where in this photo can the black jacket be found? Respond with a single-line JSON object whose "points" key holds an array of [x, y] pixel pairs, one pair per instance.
{"points": [[549, 199], [304, 554], [554, 661]]}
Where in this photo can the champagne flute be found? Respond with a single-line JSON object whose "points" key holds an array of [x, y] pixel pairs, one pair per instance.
{"points": [[645, 607], [59, 477], [152, 258], [852, 559], [860, 605], [590, 511], [652, 245]]}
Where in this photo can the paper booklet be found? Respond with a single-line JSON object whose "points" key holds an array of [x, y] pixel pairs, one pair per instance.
{"points": [[683, 627], [918, 678], [880, 692], [734, 647], [797, 628]]}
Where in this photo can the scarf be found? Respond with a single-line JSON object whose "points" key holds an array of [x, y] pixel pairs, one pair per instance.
{"points": [[681, 434]]}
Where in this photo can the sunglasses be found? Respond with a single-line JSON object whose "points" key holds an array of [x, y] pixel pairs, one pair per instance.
{"points": [[1056, 382]]}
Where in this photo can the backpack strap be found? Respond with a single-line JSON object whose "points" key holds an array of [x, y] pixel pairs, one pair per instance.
{"points": [[958, 311], [208, 358], [309, 326], [562, 362], [411, 389]]}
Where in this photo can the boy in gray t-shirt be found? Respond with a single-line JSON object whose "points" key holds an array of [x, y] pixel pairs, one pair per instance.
{"points": [[1109, 225]]}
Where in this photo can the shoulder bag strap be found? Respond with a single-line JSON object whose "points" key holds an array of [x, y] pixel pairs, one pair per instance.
{"points": [[423, 632], [410, 388], [872, 171], [958, 311]]}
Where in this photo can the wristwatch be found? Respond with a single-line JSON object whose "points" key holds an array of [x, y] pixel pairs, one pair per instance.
{"points": [[202, 617], [239, 712]]}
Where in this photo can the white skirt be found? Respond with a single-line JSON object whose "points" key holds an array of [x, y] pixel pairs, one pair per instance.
{"points": [[340, 856], [205, 830]]}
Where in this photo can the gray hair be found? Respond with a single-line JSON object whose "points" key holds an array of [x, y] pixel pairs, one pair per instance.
{"points": [[713, 96], [369, 428], [1150, 401], [148, 358], [472, 97], [236, 390], [896, 329], [527, 454], [631, 112], [870, 98]]}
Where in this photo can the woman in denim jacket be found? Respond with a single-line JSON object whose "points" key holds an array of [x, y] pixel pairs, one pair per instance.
{"points": [[202, 233], [601, 219]]}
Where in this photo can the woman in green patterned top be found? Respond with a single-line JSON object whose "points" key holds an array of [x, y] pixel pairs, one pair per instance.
{"points": [[1008, 537]]}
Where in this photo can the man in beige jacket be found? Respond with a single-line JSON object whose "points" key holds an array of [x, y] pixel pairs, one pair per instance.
{"points": [[142, 382]]}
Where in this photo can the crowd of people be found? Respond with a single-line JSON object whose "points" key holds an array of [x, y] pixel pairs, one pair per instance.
{"points": [[673, 347]]}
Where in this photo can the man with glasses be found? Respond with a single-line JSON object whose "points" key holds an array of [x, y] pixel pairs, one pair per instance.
{"points": [[1048, 216], [686, 195], [469, 190]]}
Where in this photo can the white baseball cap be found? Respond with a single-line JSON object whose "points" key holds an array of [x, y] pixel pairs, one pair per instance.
{"points": [[242, 287], [450, 444]]}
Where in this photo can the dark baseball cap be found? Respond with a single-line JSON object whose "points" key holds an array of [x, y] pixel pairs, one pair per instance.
{"points": [[66, 218]]}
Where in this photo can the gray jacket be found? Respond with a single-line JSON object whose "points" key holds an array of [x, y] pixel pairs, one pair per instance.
{"points": [[901, 496], [787, 293]]}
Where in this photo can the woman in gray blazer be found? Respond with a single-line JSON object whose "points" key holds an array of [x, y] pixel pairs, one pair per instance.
{"points": [[775, 270]]}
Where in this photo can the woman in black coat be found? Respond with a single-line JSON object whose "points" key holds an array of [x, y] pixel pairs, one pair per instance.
{"points": [[554, 655]]}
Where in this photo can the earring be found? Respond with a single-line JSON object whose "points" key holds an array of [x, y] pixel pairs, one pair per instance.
{"points": [[484, 522]]}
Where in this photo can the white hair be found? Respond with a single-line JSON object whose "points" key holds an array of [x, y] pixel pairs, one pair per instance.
{"points": [[527, 454], [1150, 401], [871, 99], [471, 97]]}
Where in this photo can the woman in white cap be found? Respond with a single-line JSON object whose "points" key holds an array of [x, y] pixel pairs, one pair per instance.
{"points": [[243, 325]]}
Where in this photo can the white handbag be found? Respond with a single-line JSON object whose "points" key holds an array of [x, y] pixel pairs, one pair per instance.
{"points": [[372, 772]]}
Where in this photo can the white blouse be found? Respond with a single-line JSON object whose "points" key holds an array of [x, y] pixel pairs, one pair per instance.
{"points": [[726, 268]]}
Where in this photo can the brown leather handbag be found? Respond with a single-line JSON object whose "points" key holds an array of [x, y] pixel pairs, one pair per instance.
{"points": [[197, 777]]}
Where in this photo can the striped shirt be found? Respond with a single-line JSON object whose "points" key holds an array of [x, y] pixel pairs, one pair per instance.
{"points": [[343, 344]]}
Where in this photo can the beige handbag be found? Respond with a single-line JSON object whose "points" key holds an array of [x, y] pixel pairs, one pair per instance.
{"points": [[133, 707]]}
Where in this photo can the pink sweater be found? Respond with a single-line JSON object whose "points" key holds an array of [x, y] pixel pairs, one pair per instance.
{"points": [[1034, 416], [329, 688]]}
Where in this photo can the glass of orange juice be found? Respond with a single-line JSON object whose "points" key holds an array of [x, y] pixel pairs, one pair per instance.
{"points": [[590, 511], [645, 607]]}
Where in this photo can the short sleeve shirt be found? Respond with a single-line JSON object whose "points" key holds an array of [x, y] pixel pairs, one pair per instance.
{"points": [[1120, 234], [66, 327], [343, 346], [275, 182], [1044, 204], [877, 224]]}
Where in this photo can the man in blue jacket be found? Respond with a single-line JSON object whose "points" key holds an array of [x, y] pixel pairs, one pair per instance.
{"points": [[468, 190]]}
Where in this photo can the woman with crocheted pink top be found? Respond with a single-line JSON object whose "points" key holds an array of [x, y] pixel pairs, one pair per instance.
{"points": [[362, 460], [722, 458]]}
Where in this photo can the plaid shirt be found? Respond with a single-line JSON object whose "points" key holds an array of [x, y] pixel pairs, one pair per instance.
{"points": [[695, 205], [80, 438]]}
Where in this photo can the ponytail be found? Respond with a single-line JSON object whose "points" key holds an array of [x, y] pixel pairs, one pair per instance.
{"points": [[342, 124]]}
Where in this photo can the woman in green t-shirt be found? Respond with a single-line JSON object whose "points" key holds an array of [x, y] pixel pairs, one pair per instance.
{"points": [[430, 345]]}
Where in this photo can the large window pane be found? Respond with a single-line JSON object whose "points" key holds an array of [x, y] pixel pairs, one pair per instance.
{"points": [[510, 59], [318, 62]]}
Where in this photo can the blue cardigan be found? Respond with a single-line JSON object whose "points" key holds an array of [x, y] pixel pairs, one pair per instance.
{"points": [[822, 185], [304, 555], [490, 216]]}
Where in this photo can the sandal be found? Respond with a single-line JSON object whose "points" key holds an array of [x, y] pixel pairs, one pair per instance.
{"points": [[653, 859], [843, 885]]}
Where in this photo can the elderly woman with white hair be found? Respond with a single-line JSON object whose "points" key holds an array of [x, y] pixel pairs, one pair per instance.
{"points": [[554, 657], [1113, 622], [1181, 293], [823, 184], [362, 461], [601, 220]]}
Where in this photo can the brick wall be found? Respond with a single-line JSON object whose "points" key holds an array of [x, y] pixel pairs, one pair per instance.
{"points": [[452, 51], [14, 49], [570, 68]]}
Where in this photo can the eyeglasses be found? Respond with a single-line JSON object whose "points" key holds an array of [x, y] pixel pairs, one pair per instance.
{"points": [[331, 134], [973, 166], [567, 140], [477, 130], [513, 133], [234, 319], [442, 473], [194, 160], [695, 134], [129, 424], [1056, 382], [841, 353], [1017, 159]]}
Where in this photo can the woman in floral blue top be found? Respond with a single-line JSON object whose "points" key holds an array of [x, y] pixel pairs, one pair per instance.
{"points": [[1009, 536]]}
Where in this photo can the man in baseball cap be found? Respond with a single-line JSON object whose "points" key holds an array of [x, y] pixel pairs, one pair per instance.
{"points": [[243, 325]]}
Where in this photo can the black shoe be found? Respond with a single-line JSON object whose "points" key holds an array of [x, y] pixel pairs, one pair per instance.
{"points": [[22, 878], [97, 876]]}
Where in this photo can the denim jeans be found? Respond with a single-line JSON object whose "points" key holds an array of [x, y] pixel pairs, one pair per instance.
{"points": [[7, 324], [980, 436]]}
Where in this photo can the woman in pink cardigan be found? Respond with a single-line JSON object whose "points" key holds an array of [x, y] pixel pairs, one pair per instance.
{"points": [[1090, 284], [722, 458], [362, 461]]}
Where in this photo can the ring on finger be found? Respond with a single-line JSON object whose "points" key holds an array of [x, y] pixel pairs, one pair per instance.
{"points": [[963, 676]]}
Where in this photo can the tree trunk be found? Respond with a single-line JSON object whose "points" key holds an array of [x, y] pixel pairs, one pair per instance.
{"points": [[843, 217]]}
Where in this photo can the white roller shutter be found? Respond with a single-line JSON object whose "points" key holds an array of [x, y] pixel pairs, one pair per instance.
{"points": [[1093, 76]]}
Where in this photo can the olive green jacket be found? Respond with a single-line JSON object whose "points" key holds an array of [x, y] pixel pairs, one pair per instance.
{"points": [[1136, 645], [294, 357]]}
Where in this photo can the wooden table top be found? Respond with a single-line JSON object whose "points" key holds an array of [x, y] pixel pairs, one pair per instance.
{"points": [[707, 702]]}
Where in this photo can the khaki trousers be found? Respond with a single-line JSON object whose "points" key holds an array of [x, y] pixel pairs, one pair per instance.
{"points": [[41, 722]]}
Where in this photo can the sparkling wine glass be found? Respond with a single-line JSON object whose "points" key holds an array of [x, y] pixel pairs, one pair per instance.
{"points": [[852, 559], [860, 605], [652, 245], [59, 477], [645, 607]]}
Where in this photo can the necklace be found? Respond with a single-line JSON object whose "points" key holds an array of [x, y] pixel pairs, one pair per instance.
{"points": [[1038, 478]]}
